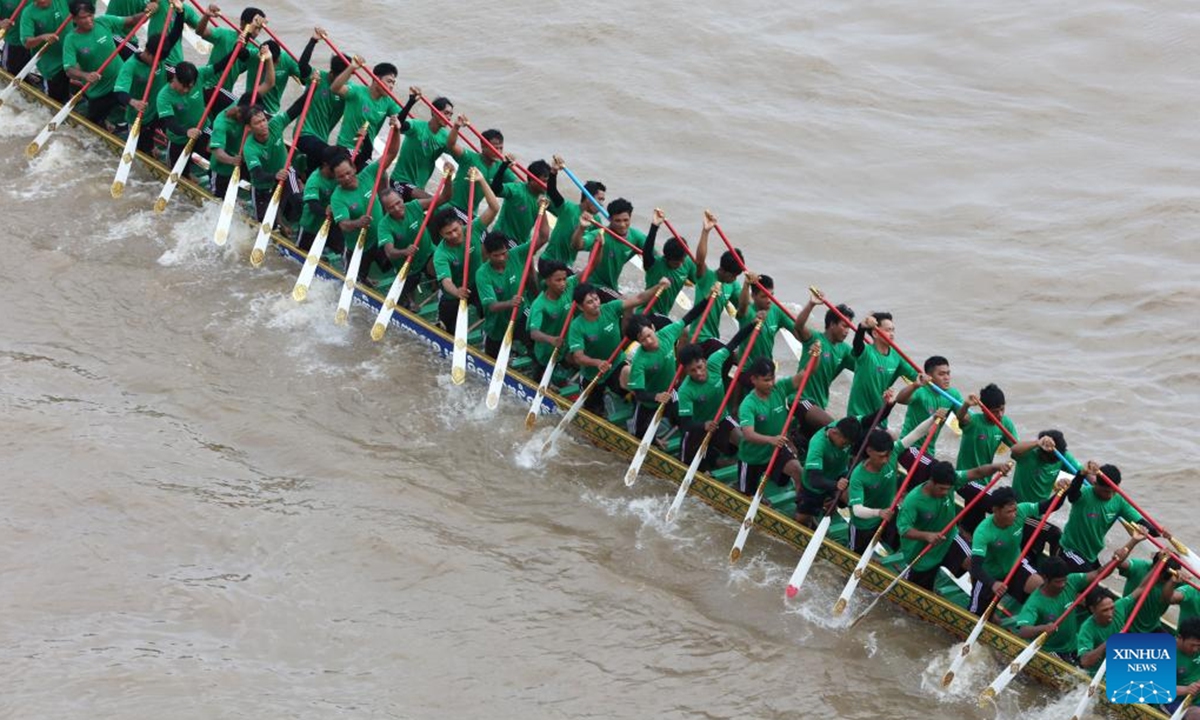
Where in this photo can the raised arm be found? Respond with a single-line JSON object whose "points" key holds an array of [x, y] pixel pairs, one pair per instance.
{"points": [[452, 138], [648, 258], [800, 330], [304, 62], [556, 198], [493, 204], [645, 296], [744, 298], [338, 86], [710, 221]]}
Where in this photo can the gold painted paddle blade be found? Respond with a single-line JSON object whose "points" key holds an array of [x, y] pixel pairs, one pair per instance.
{"points": [[839, 607], [117, 189], [735, 554], [988, 695], [377, 331], [160, 205], [256, 257], [341, 317], [948, 678], [458, 376], [530, 420], [33, 149], [299, 293]]}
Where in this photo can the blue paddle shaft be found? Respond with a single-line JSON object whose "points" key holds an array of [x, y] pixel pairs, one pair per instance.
{"points": [[599, 208]]}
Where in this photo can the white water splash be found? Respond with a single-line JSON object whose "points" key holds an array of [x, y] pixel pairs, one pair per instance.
{"points": [[649, 511], [192, 234]]}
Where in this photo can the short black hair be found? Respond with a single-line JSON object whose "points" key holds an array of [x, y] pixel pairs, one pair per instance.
{"points": [[494, 240], [443, 218], [942, 473], [582, 290], [851, 429], [1053, 568], [253, 110], [673, 250], [766, 281], [992, 397], [690, 353], [618, 206], [1060, 442], [384, 69], [1003, 496], [547, 268], [336, 64], [441, 103], [832, 318], [186, 73], [1112, 472], [879, 440], [334, 155], [761, 367], [934, 362], [249, 14], [493, 135], [1190, 628], [732, 263], [635, 324], [881, 316], [539, 169], [82, 6], [1095, 597], [594, 186], [274, 47]]}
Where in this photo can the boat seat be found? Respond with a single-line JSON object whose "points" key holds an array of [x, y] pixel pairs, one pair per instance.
{"points": [[673, 445], [727, 475]]}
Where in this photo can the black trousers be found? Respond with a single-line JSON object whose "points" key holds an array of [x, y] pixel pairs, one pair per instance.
{"points": [[58, 87], [15, 57], [99, 108]]}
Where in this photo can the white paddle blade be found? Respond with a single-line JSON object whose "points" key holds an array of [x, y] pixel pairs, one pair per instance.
{"points": [[806, 560], [566, 420], [43, 137], [458, 365], [964, 651], [225, 221], [1010, 672], [25, 71], [683, 301], [384, 318], [168, 188], [793, 344], [305, 278], [497, 382], [744, 530], [118, 185], [643, 448], [535, 409], [1081, 707], [264, 229], [693, 468], [1183, 708], [895, 581], [347, 296], [843, 600]]}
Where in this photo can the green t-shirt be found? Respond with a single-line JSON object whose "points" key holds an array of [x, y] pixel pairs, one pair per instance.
{"points": [[132, 80], [766, 416], [271, 155], [43, 21], [729, 291], [448, 259], [499, 285], [285, 68], [566, 220], [925, 401], [826, 457], [172, 55], [1033, 478], [1189, 607], [360, 107], [923, 512], [462, 187], [419, 152], [677, 277], [324, 111], [1149, 617], [519, 212], [1092, 635], [125, 8], [1000, 547], [224, 40], [1187, 668], [352, 204], [835, 357], [186, 108], [1090, 520], [874, 490], [226, 136], [653, 370], [874, 372], [548, 316], [606, 273], [401, 232], [980, 440], [700, 401], [317, 188], [88, 51], [764, 344], [598, 338], [7, 8], [1041, 609]]}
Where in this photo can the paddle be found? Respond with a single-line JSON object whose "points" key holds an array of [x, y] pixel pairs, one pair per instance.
{"points": [[639, 457], [29, 66], [458, 360], [929, 546], [168, 188], [748, 522], [12, 19], [1095, 684], [498, 371], [694, 466], [791, 341], [809, 556], [844, 599], [583, 396], [983, 616], [231, 193], [268, 222], [1012, 669], [1183, 708], [389, 304], [131, 142], [60, 117], [535, 408], [681, 300], [343, 309]]}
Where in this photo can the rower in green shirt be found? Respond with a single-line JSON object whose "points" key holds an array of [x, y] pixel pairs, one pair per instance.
{"points": [[497, 279], [89, 46], [548, 314], [1047, 603], [924, 514], [180, 105], [981, 439], [173, 54], [350, 200], [1187, 670], [1136, 572], [14, 55], [369, 105], [397, 239], [1038, 466], [326, 108], [424, 142], [826, 468], [727, 271], [39, 21], [488, 162], [996, 546], [135, 75], [567, 215], [1108, 617], [265, 155], [674, 265], [922, 400], [518, 214], [318, 190], [653, 367], [450, 253], [224, 40], [835, 357], [1094, 509], [613, 254], [876, 366], [752, 300]]}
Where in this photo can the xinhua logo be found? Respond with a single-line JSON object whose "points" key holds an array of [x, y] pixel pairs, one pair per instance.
{"points": [[1141, 668]]}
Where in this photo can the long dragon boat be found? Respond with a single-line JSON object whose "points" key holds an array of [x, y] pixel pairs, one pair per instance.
{"points": [[711, 488]]}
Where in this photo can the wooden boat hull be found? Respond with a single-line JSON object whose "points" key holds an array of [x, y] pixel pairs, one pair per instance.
{"points": [[931, 608]]}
